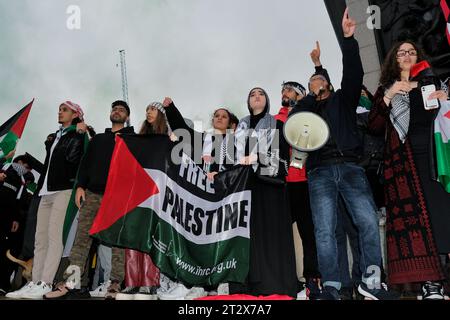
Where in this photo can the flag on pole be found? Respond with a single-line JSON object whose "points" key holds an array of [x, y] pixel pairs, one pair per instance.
{"points": [[445, 5], [11, 131], [441, 138], [37, 170]]}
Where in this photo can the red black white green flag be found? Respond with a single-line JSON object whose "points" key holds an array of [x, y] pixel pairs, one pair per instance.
{"points": [[445, 5], [195, 230], [11, 131]]}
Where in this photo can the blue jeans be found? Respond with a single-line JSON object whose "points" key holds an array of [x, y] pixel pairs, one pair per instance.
{"points": [[346, 229], [349, 181]]}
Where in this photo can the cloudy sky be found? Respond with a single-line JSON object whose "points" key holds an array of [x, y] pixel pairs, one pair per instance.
{"points": [[202, 53]]}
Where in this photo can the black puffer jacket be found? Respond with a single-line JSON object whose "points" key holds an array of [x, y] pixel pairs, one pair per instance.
{"points": [[63, 166]]}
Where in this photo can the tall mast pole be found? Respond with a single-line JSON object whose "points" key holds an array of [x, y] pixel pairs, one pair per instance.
{"points": [[123, 67]]}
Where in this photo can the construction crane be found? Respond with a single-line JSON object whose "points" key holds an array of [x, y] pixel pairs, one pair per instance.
{"points": [[123, 67]]}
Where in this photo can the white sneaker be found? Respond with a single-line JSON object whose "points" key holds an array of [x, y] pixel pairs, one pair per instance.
{"points": [[165, 285], [194, 293], [223, 289], [101, 290], [178, 292], [432, 291], [302, 295], [18, 293], [38, 291]]}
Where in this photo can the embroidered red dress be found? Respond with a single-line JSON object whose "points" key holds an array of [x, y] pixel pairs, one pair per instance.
{"points": [[414, 202]]}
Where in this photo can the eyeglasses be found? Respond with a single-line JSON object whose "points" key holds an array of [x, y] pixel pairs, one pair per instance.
{"points": [[402, 53]]}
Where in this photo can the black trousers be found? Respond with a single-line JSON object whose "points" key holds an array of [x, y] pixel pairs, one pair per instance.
{"points": [[301, 213], [6, 266]]}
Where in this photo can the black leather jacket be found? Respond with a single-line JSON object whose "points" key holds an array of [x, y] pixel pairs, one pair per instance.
{"points": [[64, 163]]}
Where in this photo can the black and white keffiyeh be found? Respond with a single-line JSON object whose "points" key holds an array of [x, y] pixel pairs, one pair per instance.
{"points": [[400, 112]]}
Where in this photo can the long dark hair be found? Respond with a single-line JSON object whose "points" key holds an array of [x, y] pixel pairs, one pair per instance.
{"points": [[229, 116], [390, 71], [158, 127]]}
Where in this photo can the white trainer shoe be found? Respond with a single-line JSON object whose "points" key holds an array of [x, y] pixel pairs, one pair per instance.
{"points": [[18, 293], [302, 295], [177, 292], [38, 291], [194, 293], [223, 289], [101, 290]]}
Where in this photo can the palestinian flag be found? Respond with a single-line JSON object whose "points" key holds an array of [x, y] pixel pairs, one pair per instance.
{"points": [[160, 202], [442, 141], [11, 130], [445, 5], [37, 170], [72, 209]]}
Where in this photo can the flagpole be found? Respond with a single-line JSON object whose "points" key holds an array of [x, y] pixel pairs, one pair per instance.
{"points": [[123, 67]]}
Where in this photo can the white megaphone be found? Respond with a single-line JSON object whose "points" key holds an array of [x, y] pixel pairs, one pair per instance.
{"points": [[305, 132]]}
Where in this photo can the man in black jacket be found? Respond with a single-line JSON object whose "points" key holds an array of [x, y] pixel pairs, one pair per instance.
{"points": [[333, 171], [91, 185], [64, 151], [10, 191]]}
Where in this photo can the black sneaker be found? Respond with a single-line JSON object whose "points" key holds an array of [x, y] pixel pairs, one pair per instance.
{"points": [[81, 294], [329, 293], [346, 293], [357, 295], [378, 294], [432, 291], [313, 291]]}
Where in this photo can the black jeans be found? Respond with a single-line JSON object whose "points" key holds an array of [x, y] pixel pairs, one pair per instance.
{"points": [[6, 266], [301, 213]]}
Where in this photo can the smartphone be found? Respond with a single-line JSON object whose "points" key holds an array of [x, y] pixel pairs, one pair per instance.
{"points": [[426, 91]]}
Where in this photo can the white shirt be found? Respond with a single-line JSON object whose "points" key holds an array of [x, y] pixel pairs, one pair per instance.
{"points": [[44, 191]]}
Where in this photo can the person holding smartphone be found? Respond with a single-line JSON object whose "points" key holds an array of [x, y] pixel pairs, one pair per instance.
{"points": [[418, 223]]}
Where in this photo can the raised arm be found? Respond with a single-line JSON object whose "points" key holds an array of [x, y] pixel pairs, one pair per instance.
{"points": [[353, 73]]}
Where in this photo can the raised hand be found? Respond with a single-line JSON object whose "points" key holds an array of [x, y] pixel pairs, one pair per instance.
{"points": [[82, 128], [167, 102], [10, 154], [315, 55], [348, 25]]}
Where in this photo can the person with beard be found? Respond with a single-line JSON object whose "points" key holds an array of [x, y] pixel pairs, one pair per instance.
{"points": [[297, 188], [272, 255], [11, 190], [333, 172], [64, 149], [91, 186]]}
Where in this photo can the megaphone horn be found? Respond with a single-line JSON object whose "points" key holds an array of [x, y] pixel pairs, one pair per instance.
{"points": [[305, 132]]}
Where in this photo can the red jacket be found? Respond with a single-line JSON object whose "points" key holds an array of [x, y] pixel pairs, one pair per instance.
{"points": [[294, 174]]}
